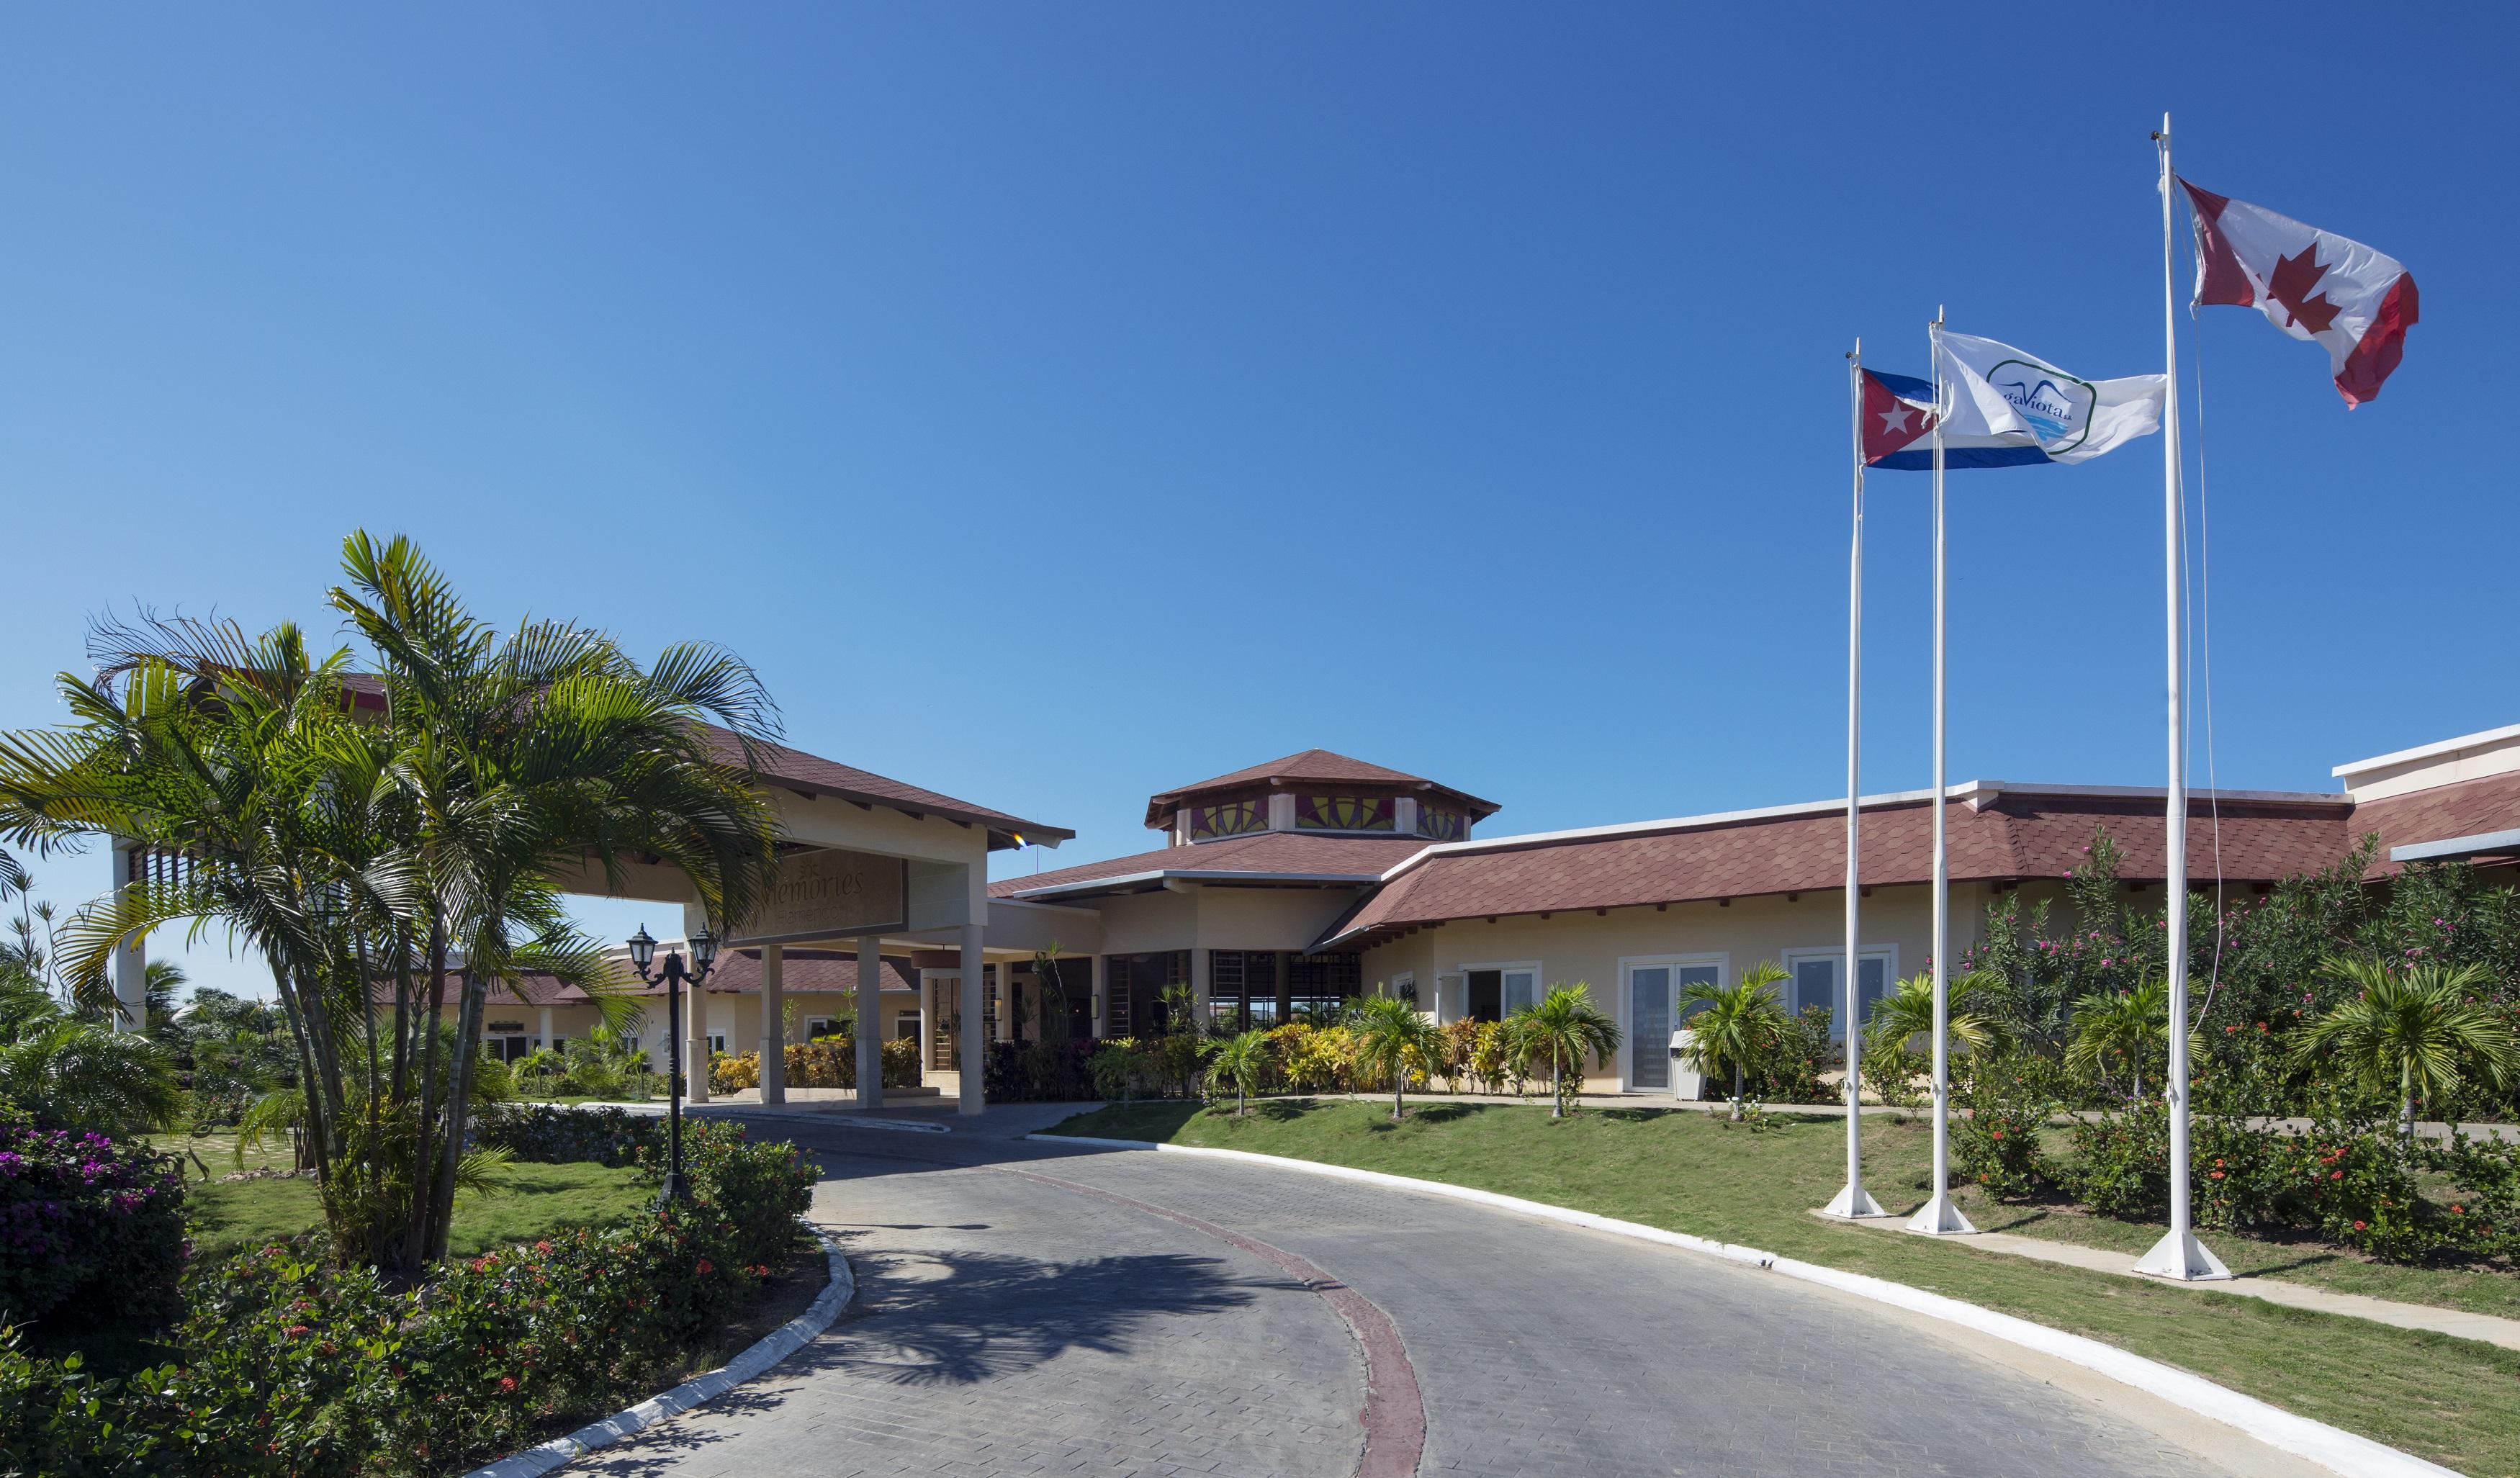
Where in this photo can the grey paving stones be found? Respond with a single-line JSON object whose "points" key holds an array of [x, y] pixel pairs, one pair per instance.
{"points": [[1008, 1326]]}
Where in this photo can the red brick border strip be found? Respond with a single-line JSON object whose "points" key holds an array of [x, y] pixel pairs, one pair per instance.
{"points": [[1395, 1412]]}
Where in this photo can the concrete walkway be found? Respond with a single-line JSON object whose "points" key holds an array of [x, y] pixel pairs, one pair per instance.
{"points": [[1030, 1308], [2490, 1329]]}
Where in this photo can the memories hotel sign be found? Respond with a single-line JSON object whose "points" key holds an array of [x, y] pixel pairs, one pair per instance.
{"points": [[825, 895]]}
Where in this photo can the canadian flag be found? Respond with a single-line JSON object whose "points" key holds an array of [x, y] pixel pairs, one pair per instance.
{"points": [[2309, 282]]}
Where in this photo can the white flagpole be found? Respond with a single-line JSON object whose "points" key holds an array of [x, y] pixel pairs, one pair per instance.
{"points": [[1852, 1200], [1938, 1216], [2178, 1255]]}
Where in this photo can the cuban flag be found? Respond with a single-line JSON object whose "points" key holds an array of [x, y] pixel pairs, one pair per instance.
{"points": [[1898, 413]]}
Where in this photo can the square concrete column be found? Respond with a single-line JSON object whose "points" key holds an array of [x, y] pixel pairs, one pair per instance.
{"points": [[1005, 970], [774, 1023], [1198, 984], [696, 1060], [131, 961], [544, 1027], [1102, 995], [869, 1041], [976, 1045]]}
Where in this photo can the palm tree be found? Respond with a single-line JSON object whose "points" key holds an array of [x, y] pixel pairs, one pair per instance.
{"points": [[1565, 1027], [1734, 1024], [2124, 1025], [1241, 1060], [356, 848], [1908, 1012], [85, 1076], [2417, 1031], [1392, 1036]]}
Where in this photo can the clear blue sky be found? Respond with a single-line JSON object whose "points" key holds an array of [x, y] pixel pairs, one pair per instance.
{"points": [[1062, 402]]}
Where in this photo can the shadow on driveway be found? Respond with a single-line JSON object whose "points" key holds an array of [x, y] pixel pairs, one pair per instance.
{"points": [[955, 1318]]}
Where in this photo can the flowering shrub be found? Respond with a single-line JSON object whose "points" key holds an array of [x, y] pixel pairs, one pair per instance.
{"points": [[2002, 1105], [91, 1237], [287, 1366], [826, 1063], [1790, 1071]]}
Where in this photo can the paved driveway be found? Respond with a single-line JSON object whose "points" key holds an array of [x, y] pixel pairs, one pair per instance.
{"points": [[1026, 1310]]}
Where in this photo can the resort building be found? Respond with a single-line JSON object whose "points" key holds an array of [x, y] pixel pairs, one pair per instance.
{"points": [[1295, 885]]}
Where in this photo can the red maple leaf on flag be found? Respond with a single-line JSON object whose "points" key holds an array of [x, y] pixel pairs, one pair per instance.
{"points": [[2294, 277]]}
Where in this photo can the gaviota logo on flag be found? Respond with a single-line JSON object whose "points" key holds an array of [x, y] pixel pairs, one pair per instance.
{"points": [[2056, 405], [2002, 408]]}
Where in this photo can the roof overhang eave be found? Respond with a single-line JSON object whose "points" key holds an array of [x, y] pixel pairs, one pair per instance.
{"points": [[2480, 844], [1161, 876]]}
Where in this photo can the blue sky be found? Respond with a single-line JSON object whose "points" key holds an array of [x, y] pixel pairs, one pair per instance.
{"points": [[1060, 403]]}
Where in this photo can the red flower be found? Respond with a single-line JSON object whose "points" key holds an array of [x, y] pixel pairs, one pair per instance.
{"points": [[705, 1268], [2360, 1225], [2217, 1175], [507, 1382]]}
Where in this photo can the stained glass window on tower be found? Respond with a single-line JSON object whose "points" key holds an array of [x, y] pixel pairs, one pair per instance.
{"points": [[1441, 824], [1231, 819], [1344, 812]]}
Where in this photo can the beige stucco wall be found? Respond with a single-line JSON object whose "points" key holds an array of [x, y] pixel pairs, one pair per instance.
{"points": [[1267, 919], [1589, 947]]}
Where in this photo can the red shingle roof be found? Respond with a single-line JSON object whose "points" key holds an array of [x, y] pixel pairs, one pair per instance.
{"points": [[1319, 765], [2018, 834], [1292, 855], [821, 777], [2468, 808]]}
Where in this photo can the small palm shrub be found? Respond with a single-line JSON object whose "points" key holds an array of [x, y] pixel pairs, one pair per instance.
{"points": [[1562, 1032], [1394, 1044]]}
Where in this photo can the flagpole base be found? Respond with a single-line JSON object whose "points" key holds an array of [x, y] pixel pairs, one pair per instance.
{"points": [[1854, 1204], [2180, 1258], [1940, 1218]]}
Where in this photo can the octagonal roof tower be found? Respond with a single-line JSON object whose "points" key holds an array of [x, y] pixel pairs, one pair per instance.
{"points": [[1320, 794]]}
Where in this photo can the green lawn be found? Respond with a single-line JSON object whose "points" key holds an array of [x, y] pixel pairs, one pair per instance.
{"points": [[2456, 1402], [224, 1216]]}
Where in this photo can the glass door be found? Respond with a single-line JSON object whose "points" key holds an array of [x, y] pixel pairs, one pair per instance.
{"points": [[1649, 1026]]}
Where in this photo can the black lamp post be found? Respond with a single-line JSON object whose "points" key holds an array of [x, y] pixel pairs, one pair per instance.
{"points": [[643, 954]]}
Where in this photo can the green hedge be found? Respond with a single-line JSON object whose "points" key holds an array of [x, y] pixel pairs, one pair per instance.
{"points": [[289, 1367]]}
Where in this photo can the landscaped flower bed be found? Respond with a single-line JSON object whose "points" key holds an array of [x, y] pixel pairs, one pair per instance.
{"points": [[91, 1237], [284, 1364]]}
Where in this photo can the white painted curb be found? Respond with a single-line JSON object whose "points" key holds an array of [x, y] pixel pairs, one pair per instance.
{"points": [[2331, 1448], [768, 1350]]}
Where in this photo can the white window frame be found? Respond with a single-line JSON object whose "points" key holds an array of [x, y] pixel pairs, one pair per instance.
{"points": [[1539, 981], [1722, 959], [1402, 983], [1836, 955]]}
